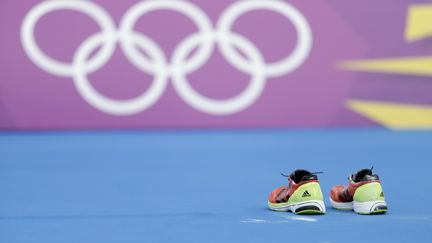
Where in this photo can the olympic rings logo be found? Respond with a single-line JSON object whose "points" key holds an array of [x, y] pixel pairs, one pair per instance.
{"points": [[157, 64]]}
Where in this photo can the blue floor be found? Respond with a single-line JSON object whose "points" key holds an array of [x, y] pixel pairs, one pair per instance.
{"points": [[204, 186]]}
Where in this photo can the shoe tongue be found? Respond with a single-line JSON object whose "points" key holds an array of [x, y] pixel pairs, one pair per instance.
{"points": [[297, 175], [361, 174]]}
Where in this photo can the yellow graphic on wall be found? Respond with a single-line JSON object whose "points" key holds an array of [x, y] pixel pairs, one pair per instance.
{"points": [[396, 115]]}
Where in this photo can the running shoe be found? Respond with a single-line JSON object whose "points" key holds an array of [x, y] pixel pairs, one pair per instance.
{"points": [[302, 195], [364, 194]]}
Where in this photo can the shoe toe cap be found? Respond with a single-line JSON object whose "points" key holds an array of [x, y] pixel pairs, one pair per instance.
{"points": [[335, 191]]}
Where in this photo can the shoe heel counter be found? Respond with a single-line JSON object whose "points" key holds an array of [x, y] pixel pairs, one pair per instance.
{"points": [[369, 192], [306, 192]]}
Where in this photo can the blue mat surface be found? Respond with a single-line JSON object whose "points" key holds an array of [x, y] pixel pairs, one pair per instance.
{"points": [[205, 186]]}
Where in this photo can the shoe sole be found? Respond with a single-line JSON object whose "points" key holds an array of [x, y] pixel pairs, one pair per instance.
{"points": [[306, 207], [372, 207]]}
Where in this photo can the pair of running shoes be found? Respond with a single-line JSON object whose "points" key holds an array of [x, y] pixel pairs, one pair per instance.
{"points": [[303, 195]]}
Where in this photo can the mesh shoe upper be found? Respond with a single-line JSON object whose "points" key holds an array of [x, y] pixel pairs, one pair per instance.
{"points": [[296, 179], [341, 193]]}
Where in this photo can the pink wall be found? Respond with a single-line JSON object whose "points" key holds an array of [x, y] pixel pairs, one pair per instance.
{"points": [[286, 77]]}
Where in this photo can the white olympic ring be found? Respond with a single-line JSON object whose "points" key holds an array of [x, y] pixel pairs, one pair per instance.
{"points": [[156, 63]]}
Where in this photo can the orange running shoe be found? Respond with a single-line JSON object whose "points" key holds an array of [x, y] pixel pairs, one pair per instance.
{"points": [[302, 196], [363, 194]]}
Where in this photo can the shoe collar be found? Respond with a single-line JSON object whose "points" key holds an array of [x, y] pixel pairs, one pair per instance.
{"points": [[301, 175]]}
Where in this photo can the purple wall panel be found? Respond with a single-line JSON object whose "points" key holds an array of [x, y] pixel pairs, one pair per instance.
{"points": [[312, 93]]}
